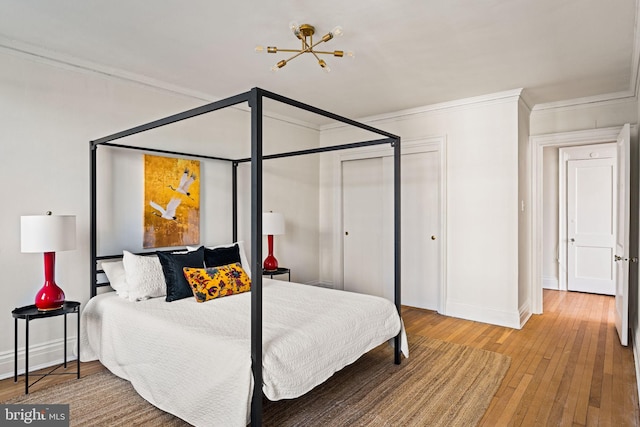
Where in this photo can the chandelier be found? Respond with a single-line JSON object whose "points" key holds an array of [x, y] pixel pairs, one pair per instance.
{"points": [[305, 33]]}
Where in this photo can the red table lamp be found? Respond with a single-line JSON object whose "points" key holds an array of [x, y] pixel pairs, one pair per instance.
{"points": [[48, 234], [272, 224]]}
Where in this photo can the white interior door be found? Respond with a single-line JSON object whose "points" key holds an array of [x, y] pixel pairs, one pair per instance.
{"points": [[591, 187], [362, 206], [368, 227], [622, 236], [420, 228]]}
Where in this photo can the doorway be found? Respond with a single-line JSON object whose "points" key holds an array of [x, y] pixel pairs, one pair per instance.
{"points": [[624, 253]]}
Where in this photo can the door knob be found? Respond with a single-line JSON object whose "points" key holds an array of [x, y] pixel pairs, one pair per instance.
{"points": [[346, 233], [433, 237], [572, 240]]}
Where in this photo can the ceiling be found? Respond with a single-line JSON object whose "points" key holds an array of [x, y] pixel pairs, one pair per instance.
{"points": [[408, 53]]}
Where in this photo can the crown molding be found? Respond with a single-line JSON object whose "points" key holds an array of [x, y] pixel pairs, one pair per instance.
{"points": [[493, 98], [599, 100], [635, 59], [68, 62]]}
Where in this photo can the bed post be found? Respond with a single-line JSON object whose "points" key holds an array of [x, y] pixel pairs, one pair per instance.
{"points": [[255, 102], [234, 201], [397, 219], [92, 220]]}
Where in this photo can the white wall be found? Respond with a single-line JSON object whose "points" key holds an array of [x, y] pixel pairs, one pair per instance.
{"points": [[481, 203], [48, 115]]}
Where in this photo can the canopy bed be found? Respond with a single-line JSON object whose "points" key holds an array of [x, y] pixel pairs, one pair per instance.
{"points": [[365, 320]]}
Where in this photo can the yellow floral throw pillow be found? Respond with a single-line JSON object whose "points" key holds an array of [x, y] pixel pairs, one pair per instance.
{"points": [[216, 282]]}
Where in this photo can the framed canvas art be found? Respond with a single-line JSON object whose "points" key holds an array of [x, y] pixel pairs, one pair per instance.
{"points": [[171, 202]]}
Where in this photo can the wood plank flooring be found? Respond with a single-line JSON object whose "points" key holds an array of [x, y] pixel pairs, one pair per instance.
{"points": [[567, 365]]}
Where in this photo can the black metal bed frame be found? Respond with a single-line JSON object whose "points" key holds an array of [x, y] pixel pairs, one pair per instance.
{"points": [[254, 98]]}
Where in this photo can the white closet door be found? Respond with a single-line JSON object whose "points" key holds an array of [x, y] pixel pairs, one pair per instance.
{"points": [[420, 225], [362, 198], [367, 186]]}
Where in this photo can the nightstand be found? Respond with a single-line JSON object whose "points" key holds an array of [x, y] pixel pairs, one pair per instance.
{"points": [[279, 270], [29, 313]]}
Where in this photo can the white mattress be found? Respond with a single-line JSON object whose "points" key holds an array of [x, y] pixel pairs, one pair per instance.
{"points": [[194, 360]]}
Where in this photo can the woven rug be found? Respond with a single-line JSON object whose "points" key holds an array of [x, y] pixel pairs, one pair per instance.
{"points": [[441, 384]]}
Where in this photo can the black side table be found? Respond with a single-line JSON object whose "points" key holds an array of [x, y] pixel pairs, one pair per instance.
{"points": [[279, 270], [29, 313]]}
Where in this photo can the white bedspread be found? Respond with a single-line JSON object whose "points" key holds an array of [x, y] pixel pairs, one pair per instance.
{"points": [[194, 360]]}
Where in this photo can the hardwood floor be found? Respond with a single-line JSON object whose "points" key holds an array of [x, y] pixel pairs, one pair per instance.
{"points": [[9, 389], [567, 365]]}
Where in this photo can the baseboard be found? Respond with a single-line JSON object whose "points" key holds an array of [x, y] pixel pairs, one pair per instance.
{"points": [[320, 284], [509, 319], [525, 313], [549, 282], [40, 356]]}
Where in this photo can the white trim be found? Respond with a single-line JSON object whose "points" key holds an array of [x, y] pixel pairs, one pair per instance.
{"points": [[538, 143], [549, 282], [320, 284], [510, 319], [493, 98], [525, 313], [408, 146], [41, 355], [635, 56], [588, 101]]}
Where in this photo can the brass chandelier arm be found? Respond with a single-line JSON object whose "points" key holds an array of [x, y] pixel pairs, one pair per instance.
{"points": [[294, 56], [338, 53], [321, 62]]}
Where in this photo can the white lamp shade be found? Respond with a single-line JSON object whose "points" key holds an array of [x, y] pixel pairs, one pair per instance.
{"points": [[48, 233], [272, 223]]}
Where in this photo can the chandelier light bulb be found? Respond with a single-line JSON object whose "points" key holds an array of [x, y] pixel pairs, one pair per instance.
{"points": [[259, 49], [350, 54], [295, 28], [337, 31]]}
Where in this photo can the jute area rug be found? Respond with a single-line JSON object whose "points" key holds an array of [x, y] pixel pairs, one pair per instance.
{"points": [[441, 384]]}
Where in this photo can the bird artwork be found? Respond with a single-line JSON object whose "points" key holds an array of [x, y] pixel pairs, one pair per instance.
{"points": [[185, 182], [170, 212], [171, 202]]}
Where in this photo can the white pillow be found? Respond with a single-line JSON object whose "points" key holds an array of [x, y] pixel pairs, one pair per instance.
{"points": [[114, 270], [145, 278], [243, 257]]}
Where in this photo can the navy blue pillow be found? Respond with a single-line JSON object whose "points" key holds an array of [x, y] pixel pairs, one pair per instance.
{"points": [[172, 265], [221, 256]]}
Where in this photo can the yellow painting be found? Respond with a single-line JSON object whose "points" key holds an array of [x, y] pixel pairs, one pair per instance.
{"points": [[171, 202]]}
